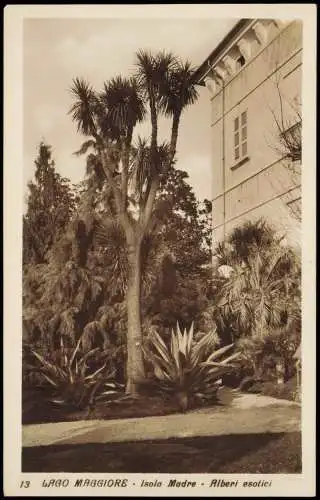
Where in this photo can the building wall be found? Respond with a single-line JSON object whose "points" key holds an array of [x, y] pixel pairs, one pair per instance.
{"points": [[263, 183]]}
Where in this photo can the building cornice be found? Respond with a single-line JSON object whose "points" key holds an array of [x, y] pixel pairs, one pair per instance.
{"points": [[221, 47], [234, 51]]}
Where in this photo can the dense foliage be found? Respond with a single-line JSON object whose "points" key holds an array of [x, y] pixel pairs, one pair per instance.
{"points": [[80, 291], [50, 205], [259, 299]]}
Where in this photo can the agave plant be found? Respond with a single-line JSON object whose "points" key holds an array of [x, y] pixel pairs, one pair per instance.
{"points": [[183, 369], [74, 382]]}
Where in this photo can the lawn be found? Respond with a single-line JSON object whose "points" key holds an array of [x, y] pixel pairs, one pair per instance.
{"points": [[241, 453]]}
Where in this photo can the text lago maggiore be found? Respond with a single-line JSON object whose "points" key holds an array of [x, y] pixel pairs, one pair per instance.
{"points": [[155, 483]]}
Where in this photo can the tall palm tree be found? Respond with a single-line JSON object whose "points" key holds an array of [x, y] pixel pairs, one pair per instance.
{"points": [[125, 108], [108, 119], [177, 92], [152, 72]]}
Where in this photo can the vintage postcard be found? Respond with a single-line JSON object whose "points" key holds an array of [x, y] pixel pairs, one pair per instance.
{"points": [[159, 237]]}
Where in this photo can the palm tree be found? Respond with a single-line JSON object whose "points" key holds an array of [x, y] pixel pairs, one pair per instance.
{"points": [[84, 109], [262, 293], [124, 104], [152, 72], [246, 240], [178, 92], [108, 119]]}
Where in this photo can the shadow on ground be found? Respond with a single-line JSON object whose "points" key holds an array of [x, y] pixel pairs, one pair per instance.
{"points": [[241, 453]]}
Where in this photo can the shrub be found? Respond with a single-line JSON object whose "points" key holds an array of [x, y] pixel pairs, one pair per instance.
{"points": [[263, 290], [183, 369], [288, 390], [262, 357], [30, 374], [78, 380]]}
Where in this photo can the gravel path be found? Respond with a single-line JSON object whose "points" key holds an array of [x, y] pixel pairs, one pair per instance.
{"points": [[245, 414]]}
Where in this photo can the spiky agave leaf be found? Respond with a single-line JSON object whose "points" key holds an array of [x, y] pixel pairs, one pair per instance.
{"points": [[175, 349], [46, 364], [160, 346], [207, 343], [75, 351], [224, 362], [52, 382], [219, 352], [76, 385], [179, 370], [189, 335], [87, 355]]}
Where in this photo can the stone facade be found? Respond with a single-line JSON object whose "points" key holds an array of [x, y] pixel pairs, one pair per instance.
{"points": [[254, 80]]}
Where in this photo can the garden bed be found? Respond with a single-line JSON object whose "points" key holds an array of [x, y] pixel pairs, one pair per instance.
{"points": [[288, 390], [37, 409]]}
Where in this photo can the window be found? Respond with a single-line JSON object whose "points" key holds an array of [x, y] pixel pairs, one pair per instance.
{"points": [[240, 62], [240, 136]]}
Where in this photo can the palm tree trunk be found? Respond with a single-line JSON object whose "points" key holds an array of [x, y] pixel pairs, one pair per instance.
{"points": [[125, 169], [135, 367], [174, 134], [154, 122], [153, 186]]}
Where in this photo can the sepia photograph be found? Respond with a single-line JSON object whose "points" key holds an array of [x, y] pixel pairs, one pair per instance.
{"points": [[161, 273]]}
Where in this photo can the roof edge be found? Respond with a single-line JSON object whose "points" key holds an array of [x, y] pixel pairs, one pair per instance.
{"points": [[232, 34]]}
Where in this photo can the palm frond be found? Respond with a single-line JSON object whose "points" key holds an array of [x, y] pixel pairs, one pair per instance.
{"points": [[143, 167], [84, 110], [152, 70], [85, 146], [109, 232], [178, 89], [140, 166], [125, 106]]}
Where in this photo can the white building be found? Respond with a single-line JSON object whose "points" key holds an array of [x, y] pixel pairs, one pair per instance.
{"points": [[254, 80]]}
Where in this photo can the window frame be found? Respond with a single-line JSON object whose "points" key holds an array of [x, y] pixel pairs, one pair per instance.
{"points": [[240, 136], [240, 62]]}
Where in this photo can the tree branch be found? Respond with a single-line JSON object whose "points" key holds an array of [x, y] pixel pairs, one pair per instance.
{"points": [[106, 165], [152, 187], [145, 215], [125, 169]]}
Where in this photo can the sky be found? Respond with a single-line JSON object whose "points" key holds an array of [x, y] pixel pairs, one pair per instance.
{"points": [[58, 50]]}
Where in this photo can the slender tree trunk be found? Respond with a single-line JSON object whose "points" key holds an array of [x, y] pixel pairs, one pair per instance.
{"points": [[154, 122], [135, 367], [174, 134]]}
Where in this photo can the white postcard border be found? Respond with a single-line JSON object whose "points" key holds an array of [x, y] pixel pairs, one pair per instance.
{"points": [[281, 484]]}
